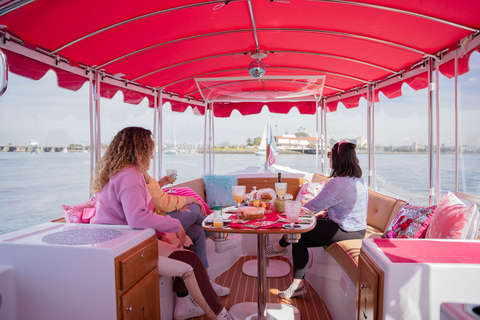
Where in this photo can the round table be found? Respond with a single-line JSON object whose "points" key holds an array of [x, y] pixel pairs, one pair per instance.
{"points": [[246, 310]]}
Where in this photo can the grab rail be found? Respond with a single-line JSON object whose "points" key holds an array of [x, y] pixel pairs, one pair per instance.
{"points": [[5, 77]]}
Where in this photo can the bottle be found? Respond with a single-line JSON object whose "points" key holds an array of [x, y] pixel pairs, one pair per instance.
{"points": [[279, 177], [217, 217]]}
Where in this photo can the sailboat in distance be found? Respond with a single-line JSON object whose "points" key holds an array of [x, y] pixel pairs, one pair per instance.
{"points": [[262, 149], [172, 150]]}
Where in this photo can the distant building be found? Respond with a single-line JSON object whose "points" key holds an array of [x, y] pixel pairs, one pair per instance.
{"points": [[416, 146], [361, 142], [299, 144]]}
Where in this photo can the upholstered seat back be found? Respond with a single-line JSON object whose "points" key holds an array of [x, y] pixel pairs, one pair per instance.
{"points": [[196, 185], [380, 208]]}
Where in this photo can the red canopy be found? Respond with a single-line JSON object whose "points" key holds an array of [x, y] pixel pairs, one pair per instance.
{"points": [[168, 44]]}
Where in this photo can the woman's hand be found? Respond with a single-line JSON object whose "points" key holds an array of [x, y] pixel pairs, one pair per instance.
{"points": [[190, 200], [165, 238], [163, 181], [182, 236]]}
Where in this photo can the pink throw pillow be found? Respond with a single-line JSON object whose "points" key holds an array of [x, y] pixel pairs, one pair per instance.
{"points": [[452, 219], [187, 192], [79, 213], [412, 221]]}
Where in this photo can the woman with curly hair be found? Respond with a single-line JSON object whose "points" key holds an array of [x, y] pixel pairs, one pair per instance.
{"points": [[346, 198], [123, 199]]}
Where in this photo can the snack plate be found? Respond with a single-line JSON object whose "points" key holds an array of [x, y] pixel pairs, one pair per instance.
{"points": [[270, 191]]}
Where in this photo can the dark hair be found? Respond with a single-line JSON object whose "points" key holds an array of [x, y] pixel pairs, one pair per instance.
{"points": [[344, 161]]}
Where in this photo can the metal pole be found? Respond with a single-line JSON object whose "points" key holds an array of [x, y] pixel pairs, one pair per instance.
{"points": [[316, 134], [431, 85], [205, 141], [456, 121], [323, 145], [437, 114], [160, 134], [210, 139], [91, 94], [373, 140], [98, 140], [369, 133], [213, 139], [155, 125], [262, 279], [325, 134]]}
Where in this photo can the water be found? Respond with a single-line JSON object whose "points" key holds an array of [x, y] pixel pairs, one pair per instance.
{"points": [[33, 187]]}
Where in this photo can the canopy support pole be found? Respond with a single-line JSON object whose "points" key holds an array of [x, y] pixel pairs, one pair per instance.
{"points": [[316, 135], [97, 135], [213, 139], [374, 170], [205, 141], [324, 111], [160, 133], [437, 114], [431, 190], [155, 127], [91, 95], [456, 122], [369, 134]]}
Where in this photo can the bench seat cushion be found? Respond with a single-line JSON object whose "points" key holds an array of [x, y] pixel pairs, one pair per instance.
{"points": [[346, 252]]}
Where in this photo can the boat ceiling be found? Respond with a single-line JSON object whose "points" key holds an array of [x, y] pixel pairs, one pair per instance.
{"points": [[167, 45]]}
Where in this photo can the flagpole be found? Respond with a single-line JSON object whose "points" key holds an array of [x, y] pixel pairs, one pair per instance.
{"points": [[267, 146]]}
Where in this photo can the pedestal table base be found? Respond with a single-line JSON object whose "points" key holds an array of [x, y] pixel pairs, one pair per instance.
{"points": [[275, 268], [275, 311]]}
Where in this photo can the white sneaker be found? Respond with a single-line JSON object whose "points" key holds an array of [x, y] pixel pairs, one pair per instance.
{"points": [[271, 252], [293, 291], [219, 290], [225, 315], [230, 243], [186, 308]]}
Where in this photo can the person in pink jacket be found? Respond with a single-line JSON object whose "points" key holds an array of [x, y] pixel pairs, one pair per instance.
{"points": [[123, 199]]}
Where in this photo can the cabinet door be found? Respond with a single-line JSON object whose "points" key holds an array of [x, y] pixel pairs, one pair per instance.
{"points": [[367, 303], [142, 301]]}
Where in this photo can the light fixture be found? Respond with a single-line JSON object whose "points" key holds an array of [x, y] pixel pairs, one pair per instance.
{"points": [[256, 68]]}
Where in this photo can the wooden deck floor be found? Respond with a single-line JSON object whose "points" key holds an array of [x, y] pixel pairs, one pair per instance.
{"points": [[244, 289]]}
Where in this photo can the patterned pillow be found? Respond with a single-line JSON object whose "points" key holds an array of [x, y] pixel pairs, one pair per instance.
{"points": [[79, 213], [308, 191], [454, 219], [188, 192], [411, 221], [219, 190]]}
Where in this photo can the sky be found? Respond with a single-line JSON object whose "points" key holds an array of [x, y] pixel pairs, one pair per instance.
{"points": [[41, 110]]}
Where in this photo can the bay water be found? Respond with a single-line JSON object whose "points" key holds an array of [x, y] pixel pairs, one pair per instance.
{"points": [[33, 187]]}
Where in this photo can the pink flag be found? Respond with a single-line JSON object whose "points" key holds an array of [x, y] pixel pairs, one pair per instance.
{"points": [[271, 157]]}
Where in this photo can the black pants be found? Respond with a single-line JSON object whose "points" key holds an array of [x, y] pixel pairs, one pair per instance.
{"points": [[325, 233]]}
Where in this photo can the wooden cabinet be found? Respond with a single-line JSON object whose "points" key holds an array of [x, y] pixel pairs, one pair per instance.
{"points": [[369, 289], [137, 286]]}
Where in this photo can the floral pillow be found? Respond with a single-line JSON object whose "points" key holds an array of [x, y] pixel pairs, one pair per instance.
{"points": [[80, 213], [308, 191], [454, 219], [411, 221]]}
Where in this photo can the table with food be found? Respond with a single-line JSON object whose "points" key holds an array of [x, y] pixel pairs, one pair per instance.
{"points": [[261, 213]]}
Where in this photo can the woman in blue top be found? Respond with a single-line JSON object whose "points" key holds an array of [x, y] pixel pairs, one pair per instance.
{"points": [[346, 198]]}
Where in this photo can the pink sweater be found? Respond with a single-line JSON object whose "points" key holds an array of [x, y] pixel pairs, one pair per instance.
{"points": [[125, 200]]}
